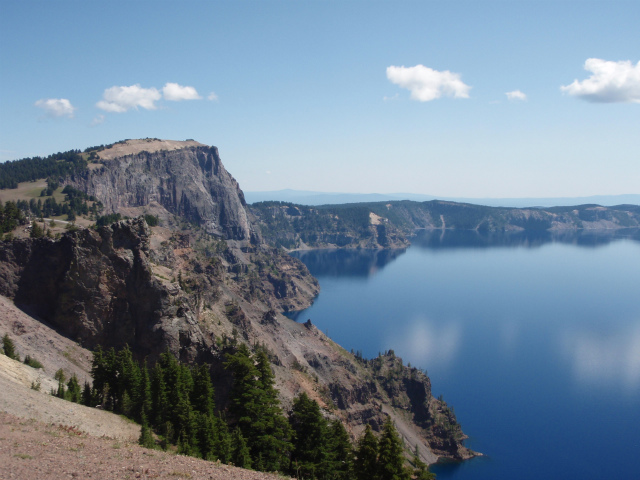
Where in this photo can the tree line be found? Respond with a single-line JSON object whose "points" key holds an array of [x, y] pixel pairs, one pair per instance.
{"points": [[175, 405], [56, 165]]}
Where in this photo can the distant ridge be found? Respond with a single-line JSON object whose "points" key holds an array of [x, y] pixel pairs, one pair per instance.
{"points": [[303, 197]]}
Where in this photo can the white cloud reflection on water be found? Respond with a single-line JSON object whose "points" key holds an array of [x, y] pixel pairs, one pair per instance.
{"points": [[422, 342], [604, 359]]}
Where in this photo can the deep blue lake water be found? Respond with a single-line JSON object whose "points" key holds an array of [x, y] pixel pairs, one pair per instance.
{"points": [[533, 339]]}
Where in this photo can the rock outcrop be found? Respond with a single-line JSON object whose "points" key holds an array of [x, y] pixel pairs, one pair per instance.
{"points": [[98, 288], [190, 182]]}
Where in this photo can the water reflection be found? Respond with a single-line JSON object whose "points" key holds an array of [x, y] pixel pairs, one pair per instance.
{"points": [[426, 343], [346, 263], [453, 239], [602, 359]]}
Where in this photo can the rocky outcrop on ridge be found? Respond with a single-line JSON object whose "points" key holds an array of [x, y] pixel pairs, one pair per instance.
{"points": [[187, 180]]}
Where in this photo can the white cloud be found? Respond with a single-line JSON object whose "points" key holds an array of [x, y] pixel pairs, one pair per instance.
{"points": [[610, 82], [516, 95], [175, 92], [426, 84], [97, 121], [121, 99], [213, 97], [56, 107], [391, 98]]}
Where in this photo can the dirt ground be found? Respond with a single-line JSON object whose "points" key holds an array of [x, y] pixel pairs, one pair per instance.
{"points": [[35, 450]]}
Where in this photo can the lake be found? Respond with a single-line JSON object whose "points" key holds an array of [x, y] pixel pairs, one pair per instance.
{"points": [[534, 339]]}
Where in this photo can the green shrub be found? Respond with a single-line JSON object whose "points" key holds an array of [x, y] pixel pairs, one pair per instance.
{"points": [[32, 362]]}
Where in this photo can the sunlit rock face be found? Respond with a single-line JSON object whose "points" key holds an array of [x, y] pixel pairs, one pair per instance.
{"points": [[185, 178]]}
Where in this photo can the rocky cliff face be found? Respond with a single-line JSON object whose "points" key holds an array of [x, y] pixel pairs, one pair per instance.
{"points": [[188, 180], [98, 289], [200, 289], [194, 295]]}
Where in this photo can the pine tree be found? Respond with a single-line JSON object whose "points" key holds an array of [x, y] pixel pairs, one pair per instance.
{"points": [[240, 455], [146, 437], [61, 392], [366, 462], [202, 395], [143, 394], [36, 231], [309, 458], [206, 435], [391, 455], [340, 452], [9, 347], [222, 448], [73, 389], [255, 407], [160, 397], [273, 427], [88, 395], [421, 471]]}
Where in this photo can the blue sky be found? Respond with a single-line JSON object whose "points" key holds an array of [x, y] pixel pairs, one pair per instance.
{"points": [[348, 96]]}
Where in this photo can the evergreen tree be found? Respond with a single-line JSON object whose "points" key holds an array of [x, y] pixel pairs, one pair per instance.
{"points": [[391, 455], [61, 392], [36, 231], [159, 397], [143, 394], [222, 449], [309, 458], [340, 451], [255, 407], [274, 432], [421, 471], [73, 389], [202, 395], [88, 396], [240, 455], [206, 435], [366, 462], [9, 347], [146, 437]]}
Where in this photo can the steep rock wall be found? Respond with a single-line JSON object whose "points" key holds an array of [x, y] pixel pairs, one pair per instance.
{"points": [[190, 182], [98, 288]]}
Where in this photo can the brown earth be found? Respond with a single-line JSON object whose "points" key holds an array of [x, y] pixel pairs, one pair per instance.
{"points": [[30, 449]]}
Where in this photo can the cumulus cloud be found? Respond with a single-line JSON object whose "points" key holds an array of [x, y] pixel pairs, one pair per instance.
{"points": [[516, 95], [175, 92], [121, 99], [97, 120], [56, 107], [213, 97], [610, 82], [426, 84]]}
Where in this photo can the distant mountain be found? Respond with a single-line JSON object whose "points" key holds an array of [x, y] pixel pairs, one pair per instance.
{"points": [[302, 197]]}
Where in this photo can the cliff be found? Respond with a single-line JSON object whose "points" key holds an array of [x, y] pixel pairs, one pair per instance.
{"points": [[391, 224], [186, 179]]}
